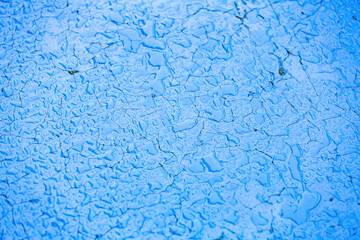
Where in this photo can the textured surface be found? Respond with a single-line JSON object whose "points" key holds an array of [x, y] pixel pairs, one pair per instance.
{"points": [[179, 119]]}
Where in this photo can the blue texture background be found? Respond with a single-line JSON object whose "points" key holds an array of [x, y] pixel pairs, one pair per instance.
{"points": [[179, 119]]}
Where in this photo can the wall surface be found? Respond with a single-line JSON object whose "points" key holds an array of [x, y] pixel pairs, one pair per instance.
{"points": [[179, 119]]}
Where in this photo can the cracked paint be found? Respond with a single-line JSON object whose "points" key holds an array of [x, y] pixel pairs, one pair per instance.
{"points": [[179, 119]]}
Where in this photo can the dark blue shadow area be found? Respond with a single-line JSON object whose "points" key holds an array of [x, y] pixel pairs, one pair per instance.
{"points": [[179, 119]]}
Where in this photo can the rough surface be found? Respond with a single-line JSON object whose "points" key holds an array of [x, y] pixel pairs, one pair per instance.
{"points": [[179, 119]]}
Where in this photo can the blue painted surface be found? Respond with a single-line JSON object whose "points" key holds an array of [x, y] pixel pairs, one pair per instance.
{"points": [[179, 119]]}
